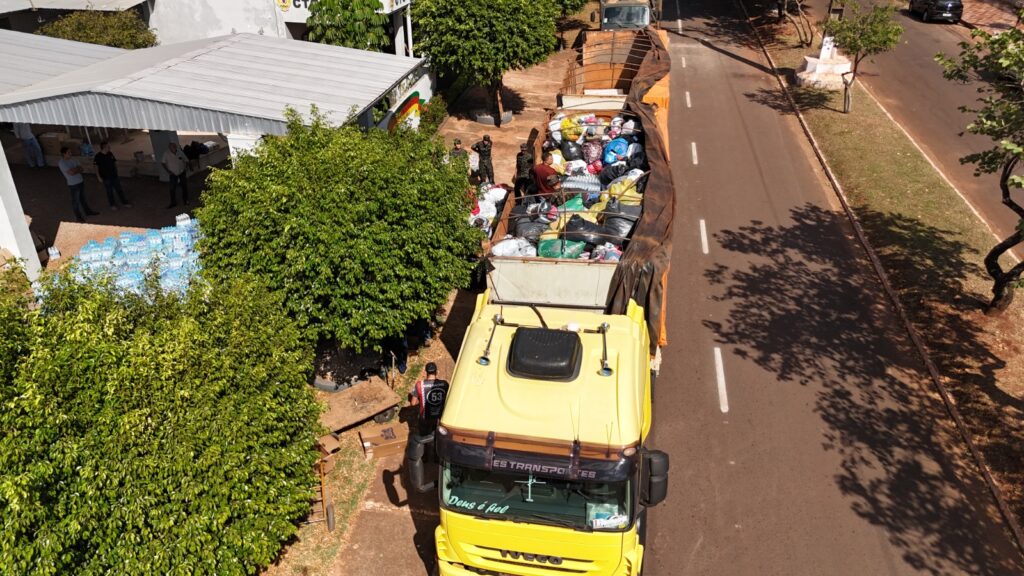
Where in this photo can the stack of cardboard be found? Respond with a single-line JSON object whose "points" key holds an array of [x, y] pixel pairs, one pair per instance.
{"points": [[51, 142], [383, 440]]}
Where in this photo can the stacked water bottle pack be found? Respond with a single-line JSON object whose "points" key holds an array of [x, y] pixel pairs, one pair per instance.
{"points": [[129, 256]]}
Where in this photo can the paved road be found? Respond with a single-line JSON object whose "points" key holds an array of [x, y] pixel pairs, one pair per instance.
{"points": [[909, 83], [816, 448]]}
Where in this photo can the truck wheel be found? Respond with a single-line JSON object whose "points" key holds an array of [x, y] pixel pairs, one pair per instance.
{"points": [[330, 517]]}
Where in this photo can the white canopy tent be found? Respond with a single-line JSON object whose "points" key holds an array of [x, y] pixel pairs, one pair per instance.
{"points": [[237, 85]]}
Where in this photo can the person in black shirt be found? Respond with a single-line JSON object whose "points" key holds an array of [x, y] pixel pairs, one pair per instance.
{"points": [[429, 396], [106, 171], [524, 164]]}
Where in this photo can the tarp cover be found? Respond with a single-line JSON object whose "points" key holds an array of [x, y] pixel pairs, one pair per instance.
{"points": [[642, 274]]}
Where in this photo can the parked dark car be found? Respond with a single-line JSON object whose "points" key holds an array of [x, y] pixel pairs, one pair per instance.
{"points": [[948, 10]]}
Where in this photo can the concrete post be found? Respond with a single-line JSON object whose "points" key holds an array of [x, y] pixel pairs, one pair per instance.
{"points": [[408, 28], [14, 234], [399, 25], [160, 139]]}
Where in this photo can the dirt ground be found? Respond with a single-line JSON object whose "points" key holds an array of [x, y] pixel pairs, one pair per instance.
{"points": [[530, 94]]}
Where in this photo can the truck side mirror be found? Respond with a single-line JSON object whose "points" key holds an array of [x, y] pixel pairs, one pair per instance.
{"points": [[593, 16], [655, 478]]}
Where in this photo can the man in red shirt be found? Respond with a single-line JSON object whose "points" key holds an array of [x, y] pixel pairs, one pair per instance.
{"points": [[541, 172]]}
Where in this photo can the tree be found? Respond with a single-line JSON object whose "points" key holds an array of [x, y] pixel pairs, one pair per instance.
{"points": [[803, 27], [569, 7], [861, 34], [996, 64], [480, 40], [361, 233], [155, 434], [14, 334], [122, 29], [350, 23]]}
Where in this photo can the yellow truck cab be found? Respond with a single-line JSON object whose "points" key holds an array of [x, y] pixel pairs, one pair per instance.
{"points": [[542, 463]]}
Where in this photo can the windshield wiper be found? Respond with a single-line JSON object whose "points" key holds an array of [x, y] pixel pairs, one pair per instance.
{"points": [[562, 522]]}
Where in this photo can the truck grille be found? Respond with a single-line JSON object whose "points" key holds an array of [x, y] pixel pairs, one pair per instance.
{"points": [[498, 558]]}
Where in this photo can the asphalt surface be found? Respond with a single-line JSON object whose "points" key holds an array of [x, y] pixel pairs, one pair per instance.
{"points": [[909, 84], [815, 447]]}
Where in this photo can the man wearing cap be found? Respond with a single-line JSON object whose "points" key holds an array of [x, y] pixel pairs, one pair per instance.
{"points": [[486, 169], [524, 162], [429, 395], [457, 150]]}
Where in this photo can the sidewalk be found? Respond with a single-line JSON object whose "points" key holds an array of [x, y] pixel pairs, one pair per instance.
{"points": [[993, 16]]}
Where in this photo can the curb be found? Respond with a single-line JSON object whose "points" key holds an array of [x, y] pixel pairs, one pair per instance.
{"points": [[876, 264]]}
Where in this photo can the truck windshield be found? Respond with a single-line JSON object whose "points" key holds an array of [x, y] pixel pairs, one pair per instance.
{"points": [[626, 17], [580, 505]]}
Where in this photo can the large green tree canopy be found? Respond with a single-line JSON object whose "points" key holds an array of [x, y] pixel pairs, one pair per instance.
{"points": [[362, 233], [483, 39], [122, 29], [351, 23], [153, 434]]}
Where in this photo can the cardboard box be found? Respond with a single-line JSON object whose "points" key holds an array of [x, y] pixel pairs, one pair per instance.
{"points": [[381, 440], [51, 142]]}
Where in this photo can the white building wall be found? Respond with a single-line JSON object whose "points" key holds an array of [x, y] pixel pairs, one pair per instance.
{"points": [[184, 20], [420, 83], [14, 233]]}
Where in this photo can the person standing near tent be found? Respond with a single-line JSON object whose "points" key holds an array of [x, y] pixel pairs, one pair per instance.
{"points": [[33, 153], [486, 169], [176, 164], [106, 171], [72, 172]]}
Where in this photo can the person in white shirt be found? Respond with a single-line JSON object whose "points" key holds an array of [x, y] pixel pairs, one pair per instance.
{"points": [[33, 153], [72, 172], [176, 164]]}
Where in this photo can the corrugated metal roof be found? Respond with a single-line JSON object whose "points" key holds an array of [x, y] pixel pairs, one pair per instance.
{"points": [[239, 83], [105, 5], [29, 58]]}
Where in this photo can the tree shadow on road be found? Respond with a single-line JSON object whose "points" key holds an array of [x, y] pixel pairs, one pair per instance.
{"points": [[807, 308], [804, 98]]}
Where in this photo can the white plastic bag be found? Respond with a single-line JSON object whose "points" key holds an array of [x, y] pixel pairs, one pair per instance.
{"points": [[495, 194], [514, 247], [575, 166]]}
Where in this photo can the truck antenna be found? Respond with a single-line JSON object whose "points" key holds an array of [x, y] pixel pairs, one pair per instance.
{"points": [[537, 312], [485, 359]]}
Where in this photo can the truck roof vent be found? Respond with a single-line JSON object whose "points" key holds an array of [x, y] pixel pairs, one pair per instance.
{"points": [[545, 354]]}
